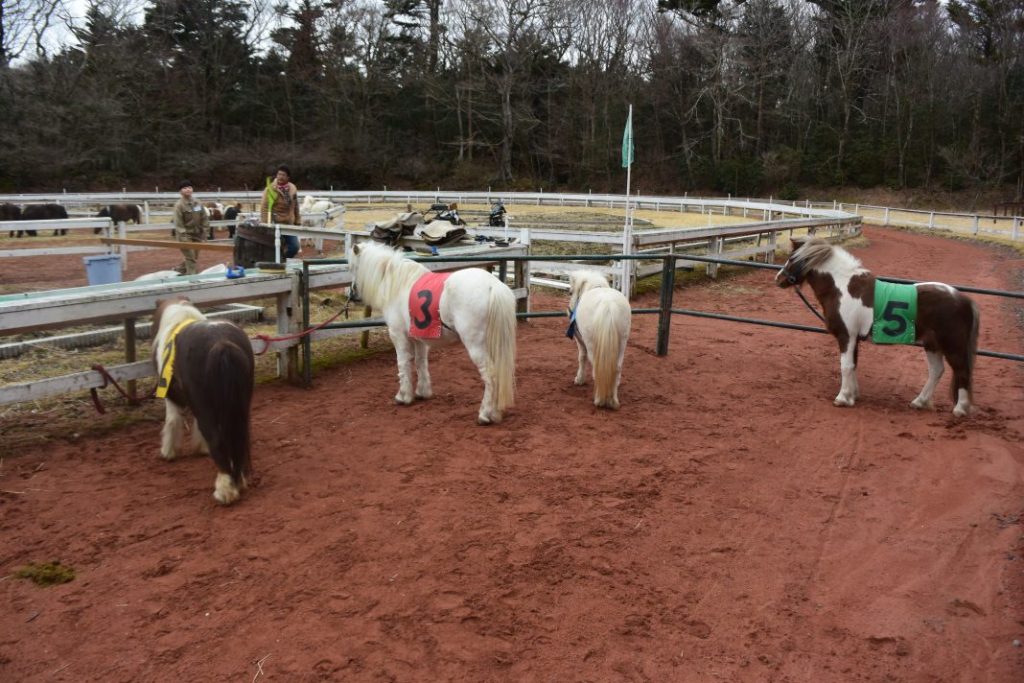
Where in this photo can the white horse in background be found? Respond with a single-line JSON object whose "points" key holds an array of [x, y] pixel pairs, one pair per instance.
{"points": [[600, 319], [473, 306], [312, 205]]}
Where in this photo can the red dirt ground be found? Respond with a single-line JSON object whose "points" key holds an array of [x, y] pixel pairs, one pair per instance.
{"points": [[727, 524]]}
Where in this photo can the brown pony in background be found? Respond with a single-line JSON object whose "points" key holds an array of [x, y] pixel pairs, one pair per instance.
{"points": [[120, 213], [213, 378]]}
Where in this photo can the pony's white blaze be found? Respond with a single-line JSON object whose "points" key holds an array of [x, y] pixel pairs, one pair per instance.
{"points": [[602, 323], [946, 324], [474, 307]]}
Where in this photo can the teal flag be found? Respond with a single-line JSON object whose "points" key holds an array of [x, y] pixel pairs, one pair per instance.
{"points": [[627, 141]]}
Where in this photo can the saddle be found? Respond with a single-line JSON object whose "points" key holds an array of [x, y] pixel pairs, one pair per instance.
{"points": [[440, 233], [391, 232]]}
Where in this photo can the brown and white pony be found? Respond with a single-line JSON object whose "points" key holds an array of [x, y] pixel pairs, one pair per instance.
{"points": [[213, 378], [946, 325]]}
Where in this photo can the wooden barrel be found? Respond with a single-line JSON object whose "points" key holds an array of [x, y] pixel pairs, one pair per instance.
{"points": [[253, 243]]}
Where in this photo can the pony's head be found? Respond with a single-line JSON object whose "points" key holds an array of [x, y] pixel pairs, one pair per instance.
{"points": [[807, 255], [379, 273], [170, 312], [582, 280]]}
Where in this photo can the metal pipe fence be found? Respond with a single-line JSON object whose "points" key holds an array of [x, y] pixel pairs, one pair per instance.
{"points": [[664, 310]]}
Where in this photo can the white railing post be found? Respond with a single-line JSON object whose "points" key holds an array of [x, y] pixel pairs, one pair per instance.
{"points": [[122, 232], [886, 216], [1015, 233], [931, 220], [975, 225]]}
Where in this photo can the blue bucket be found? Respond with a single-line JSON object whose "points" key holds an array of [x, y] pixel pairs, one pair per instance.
{"points": [[103, 270]]}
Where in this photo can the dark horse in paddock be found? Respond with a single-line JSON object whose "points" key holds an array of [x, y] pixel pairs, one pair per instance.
{"points": [[42, 212], [10, 212], [206, 368], [120, 213], [946, 320], [231, 214]]}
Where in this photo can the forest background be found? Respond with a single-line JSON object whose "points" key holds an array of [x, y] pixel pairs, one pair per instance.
{"points": [[744, 98]]}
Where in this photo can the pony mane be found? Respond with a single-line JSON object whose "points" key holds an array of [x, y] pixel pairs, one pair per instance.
{"points": [[817, 254], [382, 274], [583, 280], [170, 314]]}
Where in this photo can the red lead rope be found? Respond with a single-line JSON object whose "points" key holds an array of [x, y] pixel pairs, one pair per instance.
{"points": [[267, 341]]}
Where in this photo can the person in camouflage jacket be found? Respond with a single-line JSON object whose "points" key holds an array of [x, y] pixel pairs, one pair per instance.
{"points": [[191, 223]]}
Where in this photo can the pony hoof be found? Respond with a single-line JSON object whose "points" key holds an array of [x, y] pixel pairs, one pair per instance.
{"points": [[168, 455], [843, 402], [961, 412], [579, 382], [922, 405], [224, 490], [424, 394], [400, 400]]}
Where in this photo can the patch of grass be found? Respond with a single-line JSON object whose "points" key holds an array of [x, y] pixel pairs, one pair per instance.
{"points": [[46, 573], [990, 240]]}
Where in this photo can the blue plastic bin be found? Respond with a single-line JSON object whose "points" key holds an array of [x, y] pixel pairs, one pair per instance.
{"points": [[103, 270]]}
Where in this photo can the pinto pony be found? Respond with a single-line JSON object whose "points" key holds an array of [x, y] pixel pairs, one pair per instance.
{"points": [[470, 305], [206, 368], [946, 320], [599, 323]]}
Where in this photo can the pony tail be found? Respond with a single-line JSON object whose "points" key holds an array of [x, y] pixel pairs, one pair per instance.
{"points": [[972, 351], [230, 371], [501, 344], [605, 355]]}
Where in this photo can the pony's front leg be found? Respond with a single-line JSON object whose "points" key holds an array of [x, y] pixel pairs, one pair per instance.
{"points": [[174, 425], [848, 370], [403, 350], [581, 371], [935, 370], [423, 388]]}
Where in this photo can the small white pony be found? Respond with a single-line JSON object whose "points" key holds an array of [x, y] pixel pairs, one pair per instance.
{"points": [[473, 306], [599, 322]]}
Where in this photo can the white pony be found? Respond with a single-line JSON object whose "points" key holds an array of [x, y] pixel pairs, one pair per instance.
{"points": [[600, 322], [473, 306], [311, 204]]}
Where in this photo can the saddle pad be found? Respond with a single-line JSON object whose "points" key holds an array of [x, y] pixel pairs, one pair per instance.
{"points": [[895, 313], [425, 304]]}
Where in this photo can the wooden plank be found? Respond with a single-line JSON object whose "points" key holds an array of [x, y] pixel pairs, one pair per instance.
{"points": [[202, 246], [81, 381]]}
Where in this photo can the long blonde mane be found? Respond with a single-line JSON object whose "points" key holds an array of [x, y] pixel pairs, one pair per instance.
{"points": [[817, 254], [582, 280], [382, 274]]}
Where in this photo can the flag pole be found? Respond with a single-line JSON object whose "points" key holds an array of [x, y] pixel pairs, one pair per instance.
{"points": [[627, 230]]}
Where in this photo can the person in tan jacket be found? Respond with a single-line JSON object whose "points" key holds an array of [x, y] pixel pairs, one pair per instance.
{"points": [[191, 223], [280, 204]]}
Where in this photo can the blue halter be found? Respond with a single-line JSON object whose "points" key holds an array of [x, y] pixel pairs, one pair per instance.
{"points": [[571, 331]]}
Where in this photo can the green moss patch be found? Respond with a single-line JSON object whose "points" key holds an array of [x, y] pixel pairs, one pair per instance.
{"points": [[46, 573]]}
